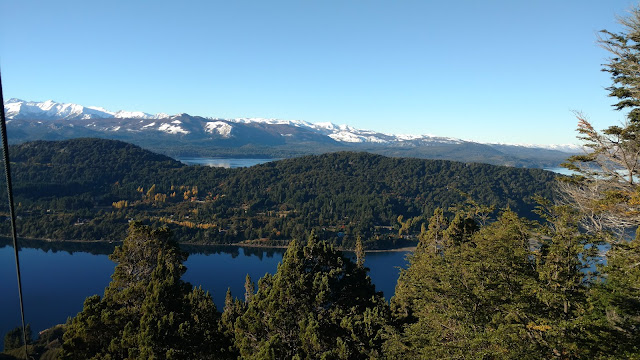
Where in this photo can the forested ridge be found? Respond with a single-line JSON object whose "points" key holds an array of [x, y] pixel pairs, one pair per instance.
{"points": [[89, 189]]}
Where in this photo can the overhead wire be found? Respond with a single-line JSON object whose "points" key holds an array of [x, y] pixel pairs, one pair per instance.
{"points": [[7, 170]]}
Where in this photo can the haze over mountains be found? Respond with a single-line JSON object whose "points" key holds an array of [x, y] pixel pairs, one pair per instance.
{"points": [[186, 135]]}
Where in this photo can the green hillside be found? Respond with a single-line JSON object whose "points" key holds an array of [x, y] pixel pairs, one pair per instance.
{"points": [[89, 189]]}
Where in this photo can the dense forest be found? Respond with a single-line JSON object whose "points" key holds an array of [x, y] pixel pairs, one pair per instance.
{"points": [[90, 189], [470, 292], [476, 287]]}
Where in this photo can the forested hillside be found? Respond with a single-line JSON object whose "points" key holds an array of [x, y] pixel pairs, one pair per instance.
{"points": [[89, 189]]}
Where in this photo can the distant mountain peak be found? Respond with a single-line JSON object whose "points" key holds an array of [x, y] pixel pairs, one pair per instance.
{"points": [[254, 129], [16, 109], [567, 148]]}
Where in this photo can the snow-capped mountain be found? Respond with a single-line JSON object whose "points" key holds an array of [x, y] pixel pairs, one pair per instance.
{"points": [[566, 148], [254, 136], [345, 133], [17, 109], [51, 110]]}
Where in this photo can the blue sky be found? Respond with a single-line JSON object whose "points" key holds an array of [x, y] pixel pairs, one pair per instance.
{"points": [[491, 71]]}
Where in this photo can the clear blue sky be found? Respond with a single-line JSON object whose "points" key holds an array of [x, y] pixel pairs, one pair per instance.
{"points": [[491, 70]]}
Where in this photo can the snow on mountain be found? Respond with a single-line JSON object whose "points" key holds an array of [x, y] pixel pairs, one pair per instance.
{"points": [[219, 127], [428, 138], [327, 126], [51, 110], [567, 148], [346, 136], [185, 124], [298, 123], [356, 137], [332, 128], [342, 133], [172, 129], [20, 109], [122, 114]]}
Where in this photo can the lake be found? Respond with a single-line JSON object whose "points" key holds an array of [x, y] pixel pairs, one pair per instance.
{"points": [[231, 163], [561, 171], [225, 163], [55, 282]]}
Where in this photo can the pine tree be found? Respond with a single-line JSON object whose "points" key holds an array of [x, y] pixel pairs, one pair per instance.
{"points": [[606, 194], [615, 304], [564, 258], [359, 250], [13, 339], [318, 304], [432, 237], [622, 290], [470, 298], [147, 310], [233, 309], [460, 229], [606, 189], [249, 289]]}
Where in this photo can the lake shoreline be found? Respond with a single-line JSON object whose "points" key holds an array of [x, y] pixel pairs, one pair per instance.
{"points": [[56, 281], [243, 245], [225, 162]]}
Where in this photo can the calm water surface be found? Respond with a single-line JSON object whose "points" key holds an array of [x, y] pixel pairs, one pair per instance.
{"points": [[561, 171], [55, 283], [57, 279], [226, 163]]}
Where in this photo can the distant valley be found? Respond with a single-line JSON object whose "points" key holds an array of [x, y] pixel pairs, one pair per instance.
{"points": [[185, 135]]}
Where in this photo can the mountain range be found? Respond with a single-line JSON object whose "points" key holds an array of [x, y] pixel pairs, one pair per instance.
{"points": [[186, 135]]}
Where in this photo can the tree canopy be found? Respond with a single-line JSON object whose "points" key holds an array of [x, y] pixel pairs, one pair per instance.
{"points": [[147, 311], [89, 189], [318, 304]]}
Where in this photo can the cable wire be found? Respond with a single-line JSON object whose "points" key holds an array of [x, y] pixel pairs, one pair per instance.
{"points": [[7, 170]]}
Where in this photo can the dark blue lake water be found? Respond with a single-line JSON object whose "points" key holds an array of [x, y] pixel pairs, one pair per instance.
{"points": [[226, 163], [55, 283]]}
